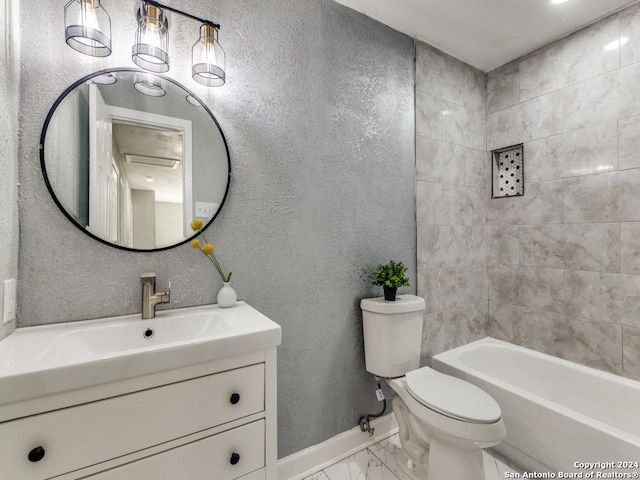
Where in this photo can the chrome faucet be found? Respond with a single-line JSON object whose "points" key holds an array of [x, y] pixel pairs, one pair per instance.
{"points": [[149, 296]]}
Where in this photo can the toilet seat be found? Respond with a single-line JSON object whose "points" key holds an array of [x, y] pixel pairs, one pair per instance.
{"points": [[451, 396]]}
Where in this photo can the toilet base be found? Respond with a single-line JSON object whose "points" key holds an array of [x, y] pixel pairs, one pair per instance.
{"points": [[424, 456], [411, 469], [447, 461]]}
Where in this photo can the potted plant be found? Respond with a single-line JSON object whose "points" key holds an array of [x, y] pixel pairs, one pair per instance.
{"points": [[391, 276]]}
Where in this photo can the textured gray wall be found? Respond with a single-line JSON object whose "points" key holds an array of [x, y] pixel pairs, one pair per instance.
{"points": [[319, 115], [9, 86]]}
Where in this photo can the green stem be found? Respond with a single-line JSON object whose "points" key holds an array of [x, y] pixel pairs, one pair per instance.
{"points": [[215, 264], [214, 260]]}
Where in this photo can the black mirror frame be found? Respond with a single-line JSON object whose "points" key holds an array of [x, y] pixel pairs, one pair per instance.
{"points": [[59, 204]]}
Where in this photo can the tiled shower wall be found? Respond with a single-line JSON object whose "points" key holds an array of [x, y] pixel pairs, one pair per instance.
{"points": [[563, 261], [451, 199]]}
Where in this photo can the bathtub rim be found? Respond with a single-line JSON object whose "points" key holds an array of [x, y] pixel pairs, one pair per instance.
{"points": [[451, 360]]}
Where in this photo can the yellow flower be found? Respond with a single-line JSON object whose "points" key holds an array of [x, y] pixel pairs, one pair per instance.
{"points": [[195, 243], [207, 249], [196, 224]]}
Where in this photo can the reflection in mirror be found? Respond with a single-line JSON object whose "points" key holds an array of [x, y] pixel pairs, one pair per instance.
{"points": [[134, 170]]}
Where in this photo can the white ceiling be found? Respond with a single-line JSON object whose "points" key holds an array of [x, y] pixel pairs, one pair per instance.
{"points": [[487, 33]]}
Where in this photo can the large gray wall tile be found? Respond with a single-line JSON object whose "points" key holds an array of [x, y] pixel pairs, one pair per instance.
{"points": [[630, 29], [503, 245], [589, 343], [535, 287], [588, 150], [629, 142], [603, 297], [607, 197], [503, 88], [576, 247], [601, 99], [429, 114], [438, 161], [449, 79], [541, 203], [464, 126], [630, 248], [452, 328], [536, 118], [631, 352], [578, 57]]}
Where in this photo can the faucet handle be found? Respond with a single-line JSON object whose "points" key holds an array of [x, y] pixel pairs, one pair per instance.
{"points": [[148, 277]]}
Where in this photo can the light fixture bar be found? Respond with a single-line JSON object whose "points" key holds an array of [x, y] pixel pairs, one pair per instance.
{"points": [[184, 14]]}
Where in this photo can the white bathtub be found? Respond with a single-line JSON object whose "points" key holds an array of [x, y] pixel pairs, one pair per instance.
{"points": [[559, 415]]}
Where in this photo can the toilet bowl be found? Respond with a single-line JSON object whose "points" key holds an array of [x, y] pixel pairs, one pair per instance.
{"points": [[444, 422]]}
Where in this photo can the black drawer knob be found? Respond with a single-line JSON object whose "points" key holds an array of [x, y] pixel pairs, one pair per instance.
{"points": [[36, 454], [235, 458], [235, 398]]}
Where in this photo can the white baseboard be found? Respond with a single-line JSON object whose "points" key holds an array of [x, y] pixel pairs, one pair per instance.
{"points": [[317, 457]]}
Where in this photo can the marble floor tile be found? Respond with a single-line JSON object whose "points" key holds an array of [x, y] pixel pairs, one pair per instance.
{"points": [[387, 451], [361, 466], [380, 462], [317, 476], [496, 467]]}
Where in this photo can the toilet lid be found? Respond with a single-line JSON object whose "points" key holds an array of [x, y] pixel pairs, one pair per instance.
{"points": [[452, 396]]}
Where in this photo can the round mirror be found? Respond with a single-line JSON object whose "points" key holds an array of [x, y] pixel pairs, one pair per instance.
{"points": [[131, 158]]}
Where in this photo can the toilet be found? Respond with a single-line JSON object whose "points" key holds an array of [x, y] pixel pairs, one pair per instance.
{"points": [[444, 422]]}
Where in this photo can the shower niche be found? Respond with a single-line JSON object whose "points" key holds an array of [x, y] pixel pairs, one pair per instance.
{"points": [[507, 169]]}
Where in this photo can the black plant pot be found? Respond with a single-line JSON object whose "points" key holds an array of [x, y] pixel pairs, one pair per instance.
{"points": [[389, 293]]}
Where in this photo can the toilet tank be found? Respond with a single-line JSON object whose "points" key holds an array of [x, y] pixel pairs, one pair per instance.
{"points": [[392, 334]]}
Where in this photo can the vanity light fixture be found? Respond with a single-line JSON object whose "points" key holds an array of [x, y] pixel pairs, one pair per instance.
{"points": [[208, 57], [152, 40], [87, 27], [151, 50], [88, 30]]}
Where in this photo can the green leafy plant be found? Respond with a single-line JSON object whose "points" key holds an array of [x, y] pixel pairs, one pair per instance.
{"points": [[391, 274]]}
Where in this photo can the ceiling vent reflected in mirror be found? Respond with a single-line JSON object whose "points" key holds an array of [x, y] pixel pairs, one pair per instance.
{"points": [[153, 161]]}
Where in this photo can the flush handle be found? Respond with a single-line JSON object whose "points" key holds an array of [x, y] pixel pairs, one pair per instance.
{"points": [[235, 458], [36, 454], [235, 398]]}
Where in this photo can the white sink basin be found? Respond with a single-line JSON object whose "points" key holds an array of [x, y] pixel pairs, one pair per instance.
{"points": [[51, 359], [121, 335]]}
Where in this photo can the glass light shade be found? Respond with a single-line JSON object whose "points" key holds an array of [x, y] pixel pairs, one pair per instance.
{"points": [[87, 27], [105, 79], [191, 100], [208, 58], [151, 50], [149, 84]]}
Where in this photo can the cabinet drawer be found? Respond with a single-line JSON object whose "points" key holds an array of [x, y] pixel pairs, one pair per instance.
{"points": [[80, 436], [225, 456]]}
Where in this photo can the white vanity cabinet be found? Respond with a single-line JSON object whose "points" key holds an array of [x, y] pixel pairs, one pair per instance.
{"points": [[216, 420]]}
